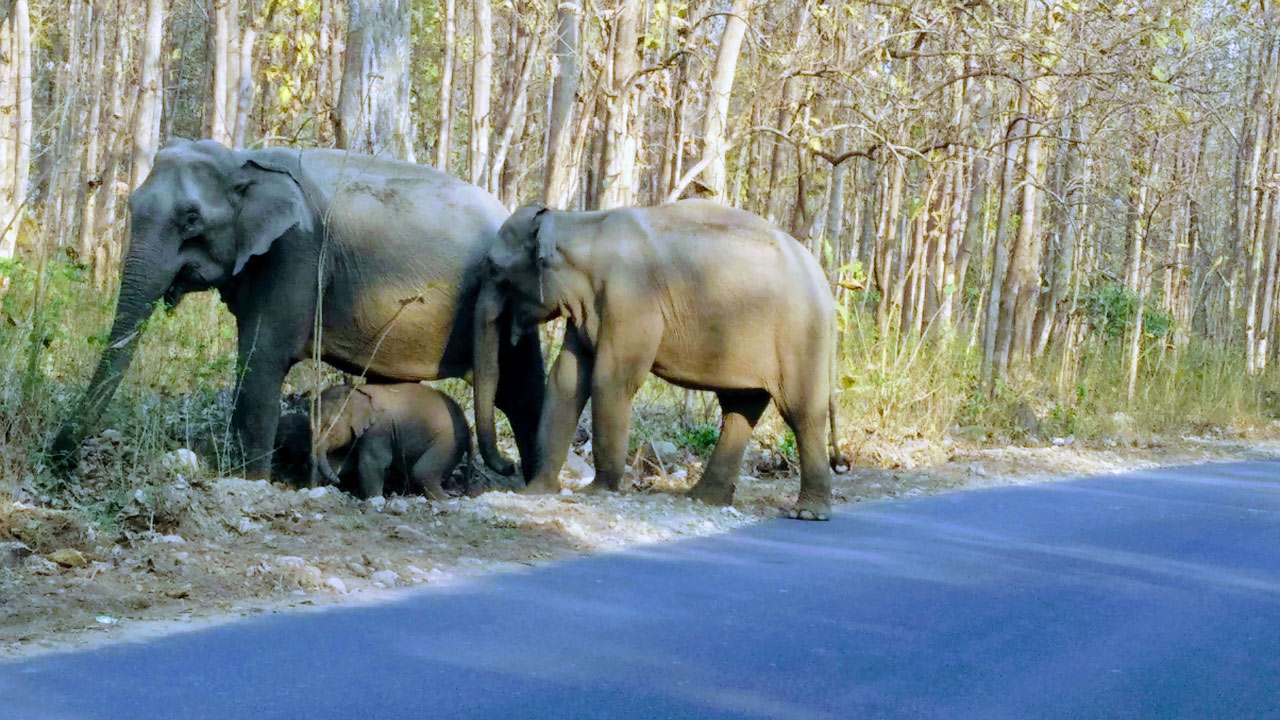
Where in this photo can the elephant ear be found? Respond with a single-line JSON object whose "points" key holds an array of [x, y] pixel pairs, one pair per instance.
{"points": [[360, 412], [271, 205], [544, 243]]}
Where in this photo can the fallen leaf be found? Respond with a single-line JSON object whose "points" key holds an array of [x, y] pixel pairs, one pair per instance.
{"points": [[69, 557]]}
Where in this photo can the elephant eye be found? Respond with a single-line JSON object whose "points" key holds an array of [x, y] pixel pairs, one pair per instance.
{"points": [[187, 218]]}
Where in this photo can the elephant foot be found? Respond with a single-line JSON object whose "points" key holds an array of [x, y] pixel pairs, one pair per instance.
{"points": [[809, 510], [597, 487], [711, 493], [539, 486]]}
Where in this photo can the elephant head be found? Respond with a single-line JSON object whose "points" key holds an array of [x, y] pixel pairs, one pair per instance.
{"points": [[202, 212], [518, 293], [346, 412]]}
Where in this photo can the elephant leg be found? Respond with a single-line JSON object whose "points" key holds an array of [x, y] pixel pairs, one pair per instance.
{"points": [[807, 417], [620, 370], [372, 467], [257, 403], [431, 468], [520, 396], [568, 389], [739, 413]]}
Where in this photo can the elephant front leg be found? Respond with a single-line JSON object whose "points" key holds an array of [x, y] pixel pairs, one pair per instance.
{"points": [[257, 399], [620, 370], [568, 389], [521, 389], [256, 414], [372, 467]]}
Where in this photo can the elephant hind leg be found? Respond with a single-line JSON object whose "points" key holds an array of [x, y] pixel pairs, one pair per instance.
{"points": [[432, 467], [805, 411], [739, 411]]}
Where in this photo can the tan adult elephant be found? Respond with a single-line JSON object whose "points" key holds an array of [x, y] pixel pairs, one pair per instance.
{"points": [[388, 253], [701, 295]]}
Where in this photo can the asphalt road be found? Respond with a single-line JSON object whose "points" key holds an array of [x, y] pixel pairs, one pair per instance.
{"points": [[1150, 595]]}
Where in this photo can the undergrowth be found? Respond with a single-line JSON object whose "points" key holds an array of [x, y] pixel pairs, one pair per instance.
{"points": [[177, 393]]}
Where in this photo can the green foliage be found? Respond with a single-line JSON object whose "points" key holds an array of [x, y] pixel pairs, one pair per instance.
{"points": [[698, 437], [1110, 310]]}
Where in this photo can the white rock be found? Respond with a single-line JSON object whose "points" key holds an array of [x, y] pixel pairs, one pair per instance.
{"points": [[398, 506], [181, 460], [316, 493], [665, 450], [335, 584], [106, 620], [12, 554], [112, 435], [578, 467], [290, 561], [386, 578], [169, 539], [377, 503]]}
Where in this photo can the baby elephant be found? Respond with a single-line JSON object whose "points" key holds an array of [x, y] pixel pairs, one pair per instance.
{"points": [[410, 433]]}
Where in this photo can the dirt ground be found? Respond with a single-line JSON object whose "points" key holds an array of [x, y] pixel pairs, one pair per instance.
{"points": [[209, 551]]}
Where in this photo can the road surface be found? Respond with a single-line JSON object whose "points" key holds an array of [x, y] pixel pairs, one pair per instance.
{"points": [[1149, 595]]}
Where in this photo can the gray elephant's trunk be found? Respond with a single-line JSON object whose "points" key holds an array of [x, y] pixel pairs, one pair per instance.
{"points": [[142, 283], [485, 378]]}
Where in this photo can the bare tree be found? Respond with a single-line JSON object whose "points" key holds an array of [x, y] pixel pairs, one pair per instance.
{"points": [[146, 118], [557, 181], [446, 87], [373, 109], [481, 83], [715, 128]]}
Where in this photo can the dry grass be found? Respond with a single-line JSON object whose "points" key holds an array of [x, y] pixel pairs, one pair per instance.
{"points": [[893, 393]]}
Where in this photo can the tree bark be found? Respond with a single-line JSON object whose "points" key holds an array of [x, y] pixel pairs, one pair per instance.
{"points": [[715, 126], [481, 85], [147, 115], [616, 183], [216, 123], [373, 109], [91, 179], [557, 178], [445, 120]]}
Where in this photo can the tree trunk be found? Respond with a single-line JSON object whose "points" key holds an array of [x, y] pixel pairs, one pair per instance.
{"points": [[1000, 260], [113, 157], [786, 110], [445, 121], [373, 108], [715, 127], [481, 84], [325, 72], [244, 81], [216, 123], [557, 175], [528, 45], [147, 115], [91, 179], [616, 184]]}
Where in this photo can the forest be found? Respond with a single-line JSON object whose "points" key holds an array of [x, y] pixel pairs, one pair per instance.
{"points": [[1041, 220]]}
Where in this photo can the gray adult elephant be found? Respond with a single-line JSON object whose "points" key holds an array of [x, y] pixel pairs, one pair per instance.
{"points": [[390, 254], [701, 295]]}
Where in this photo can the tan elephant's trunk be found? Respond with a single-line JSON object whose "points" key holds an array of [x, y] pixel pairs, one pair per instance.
{"points": [[485, 377]]}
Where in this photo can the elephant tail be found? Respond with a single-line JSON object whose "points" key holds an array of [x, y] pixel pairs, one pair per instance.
{"points": [[839, 463]]}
